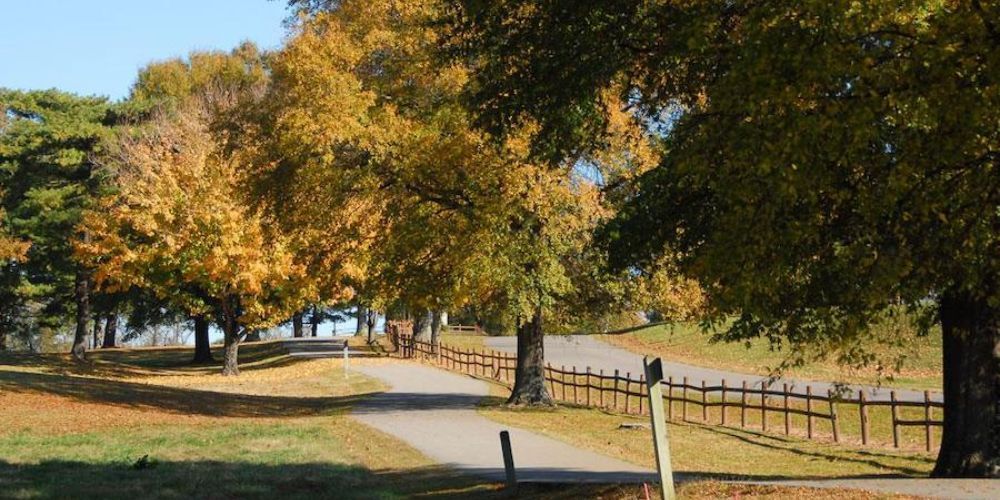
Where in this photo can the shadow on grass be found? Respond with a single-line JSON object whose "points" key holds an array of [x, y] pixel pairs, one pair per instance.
{"points": [[213, 479], [186, 401]]}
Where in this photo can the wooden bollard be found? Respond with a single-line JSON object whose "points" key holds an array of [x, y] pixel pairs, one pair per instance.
{"points": [[600, 391], [788, 416], [809, 411], [863, 410], [835, 427], [763, 407], [895, 418], [508, 460], [927, 419]]}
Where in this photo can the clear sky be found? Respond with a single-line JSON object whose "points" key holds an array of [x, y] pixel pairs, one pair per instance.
{"points": [[97, 46]]}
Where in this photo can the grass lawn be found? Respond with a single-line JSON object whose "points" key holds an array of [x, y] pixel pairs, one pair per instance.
{"points": [[280, 429], [687, 343], [141, 423]]}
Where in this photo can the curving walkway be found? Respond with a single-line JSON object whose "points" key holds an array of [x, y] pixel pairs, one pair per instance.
{"points": [[435, 412]]}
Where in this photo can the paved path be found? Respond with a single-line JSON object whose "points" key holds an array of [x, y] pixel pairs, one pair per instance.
{"points": [[584, 350], [435, 412]]}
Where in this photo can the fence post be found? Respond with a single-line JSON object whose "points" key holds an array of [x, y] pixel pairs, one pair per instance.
{"points": [[628, 388], [600, 392], [723, 402], [684, 401], [562, 380], [743, 406], [588, 386], [704, 403], [809, 411], [614, 393], [788, 417], [927, 419], [670, 398], [833, 416], [576, 384], [895, 418], [642, 384], [863, 408], [552, 379]]}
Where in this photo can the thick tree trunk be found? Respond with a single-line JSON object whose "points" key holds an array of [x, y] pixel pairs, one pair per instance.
{"points": [[81, 293], [529, 377], [970, 442], [422, 325], [202, 346], [3, 340], [231, 332], [362, 320], [110, 331], [440, 317], [314, 322], [297, 325], [98, 332]]}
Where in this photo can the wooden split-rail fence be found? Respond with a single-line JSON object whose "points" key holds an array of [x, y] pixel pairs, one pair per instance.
{"points": [[765, 408]]}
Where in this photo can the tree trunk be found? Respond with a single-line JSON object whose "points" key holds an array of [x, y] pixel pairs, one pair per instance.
{"points": [[314, 321], [370, 319], [362, 320], [437, 321], [970, 442], [3, 340], [529, 376], [110, 331], [422, 325], [81, 292], [297, 325], [98, 332], [231, 332], [202, 346]]}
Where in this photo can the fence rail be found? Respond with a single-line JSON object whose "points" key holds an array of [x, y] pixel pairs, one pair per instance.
{"points": [[757, 407]]}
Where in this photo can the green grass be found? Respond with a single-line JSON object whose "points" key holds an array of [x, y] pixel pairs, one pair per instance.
{"points": [[687, 343]]}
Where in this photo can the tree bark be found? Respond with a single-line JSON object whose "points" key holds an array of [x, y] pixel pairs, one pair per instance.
{"points": [[314, 321], [110, 331], [362, 320], [529, 376], [437, 321], [3, 340], [970, 441], [370, 319], [98, 332], [231, 333], [297, 325], [81, 293], [422, 325], [202, 346]]}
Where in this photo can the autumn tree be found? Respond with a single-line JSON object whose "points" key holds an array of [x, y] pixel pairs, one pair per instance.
{"points": [[180, 224], [826, 162], [367, 110], [47, 144]]}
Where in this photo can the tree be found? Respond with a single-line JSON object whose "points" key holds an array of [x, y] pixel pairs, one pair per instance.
{"points": [[827, 163], [12, 252], [47, 144], [180, 224]]}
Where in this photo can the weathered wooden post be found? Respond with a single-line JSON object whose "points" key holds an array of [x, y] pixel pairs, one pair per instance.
{"points": [[508, 460], [654, 375], [347, 359]]}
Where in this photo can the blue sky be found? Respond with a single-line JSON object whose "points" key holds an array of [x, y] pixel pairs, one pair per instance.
{"points": [[97, 46]]}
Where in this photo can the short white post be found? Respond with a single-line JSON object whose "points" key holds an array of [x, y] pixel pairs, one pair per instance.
{"points": [[347, 359]]}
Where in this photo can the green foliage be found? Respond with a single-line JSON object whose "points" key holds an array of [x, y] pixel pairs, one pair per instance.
{"points": [[824, 160]]}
